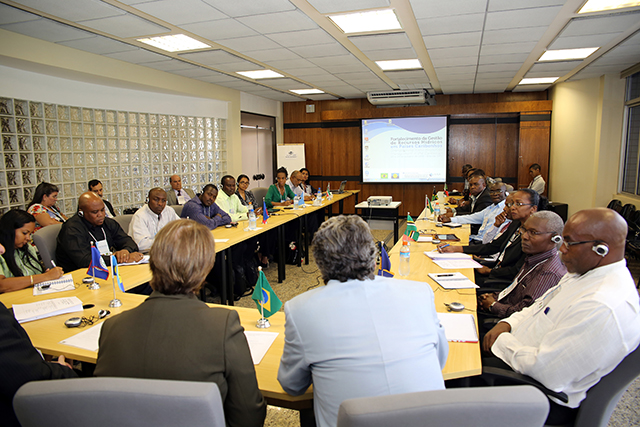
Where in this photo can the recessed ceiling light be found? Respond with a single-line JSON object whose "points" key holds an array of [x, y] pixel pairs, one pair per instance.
{"points": [[174, 43], [600, 5], [361, 22], [306, 91], [399, 64], [567, 54], [538, 80], [260, 74]]}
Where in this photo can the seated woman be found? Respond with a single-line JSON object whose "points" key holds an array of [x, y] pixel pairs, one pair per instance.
{"points": [[304, 182], [280, 194], [43, 206], [19, 265], [172, 335], [246, 196]]}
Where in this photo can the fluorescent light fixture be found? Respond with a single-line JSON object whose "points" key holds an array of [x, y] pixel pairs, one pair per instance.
{"points": [[362, 22], [399, 64], [306, 91], [260, 74], [567, 54], [174, 43], [538, 80], [600, 5]]}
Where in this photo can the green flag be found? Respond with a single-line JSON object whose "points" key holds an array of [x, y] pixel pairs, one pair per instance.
{"points": [[412, 231], [429, 205], [264, 297]]}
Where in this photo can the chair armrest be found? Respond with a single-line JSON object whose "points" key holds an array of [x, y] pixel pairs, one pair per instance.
{"points": [[522, 379]]}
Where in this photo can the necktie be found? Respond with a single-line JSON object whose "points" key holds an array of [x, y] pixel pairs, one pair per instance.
{"points": [[179, 191]]}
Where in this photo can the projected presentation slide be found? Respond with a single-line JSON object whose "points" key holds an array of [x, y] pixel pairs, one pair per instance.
{"points": [[409, 149]]}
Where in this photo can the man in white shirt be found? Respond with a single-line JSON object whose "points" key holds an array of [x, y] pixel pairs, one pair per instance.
{"points": [[537, 184], [178, 195], [294, 183], [150, 218], [580, 330], [229, 202]]}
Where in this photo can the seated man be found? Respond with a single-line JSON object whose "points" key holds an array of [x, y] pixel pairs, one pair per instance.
{"points": [[537, 183], [95, 186], [479, 197], [150, 218], [229, 202], [580, 330], [501, 223], [382, 335], [203, 209], [486, 217], [294, 183], [542, 269], [178, 195], [90, 225]]}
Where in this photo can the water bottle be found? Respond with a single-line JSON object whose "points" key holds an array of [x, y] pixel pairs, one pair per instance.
{"points": [[436, 208], [405, 255], [252, 218], [296, 201], [318, 200]]}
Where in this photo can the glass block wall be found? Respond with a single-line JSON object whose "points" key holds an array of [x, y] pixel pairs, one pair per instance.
{"points": [[130, 152]]}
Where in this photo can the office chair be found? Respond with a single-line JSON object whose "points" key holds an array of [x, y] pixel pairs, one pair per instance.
{"points": [[596, 409], [124, 221], [460, 407], [122, 402], [178, 209], [46, 242], [259, 194]]}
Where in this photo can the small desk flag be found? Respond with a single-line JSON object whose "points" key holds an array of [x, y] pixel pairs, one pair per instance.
{"points": [[385, 263], [265, 212], [412, 231], [97, 268], [266, 300], [114, 263]]}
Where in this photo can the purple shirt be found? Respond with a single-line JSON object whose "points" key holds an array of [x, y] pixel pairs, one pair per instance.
{"points": [[195, 210]]}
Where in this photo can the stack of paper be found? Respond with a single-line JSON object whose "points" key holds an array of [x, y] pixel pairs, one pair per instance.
{"points": [[47, 308], [455, 260], [459, 327], [65, 283], [453, 280]]}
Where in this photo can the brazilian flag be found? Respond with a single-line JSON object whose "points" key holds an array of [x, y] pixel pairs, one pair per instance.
{"points": [[264, 297], [412, 231]]}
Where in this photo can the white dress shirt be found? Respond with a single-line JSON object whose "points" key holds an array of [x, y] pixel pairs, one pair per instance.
{"points": [[145, 225], [486, 217], [576, 333], [297, 190], [537, 184]]}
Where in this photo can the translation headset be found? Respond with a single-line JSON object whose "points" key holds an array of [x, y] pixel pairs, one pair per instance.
{"points": [[601, 249], [556, 239], [80, 213]]}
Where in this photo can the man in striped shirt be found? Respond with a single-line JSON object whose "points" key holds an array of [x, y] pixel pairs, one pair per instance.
{"points": [[542, 267]]}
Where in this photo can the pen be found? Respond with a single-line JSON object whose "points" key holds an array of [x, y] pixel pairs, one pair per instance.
{"points": [[442, 247], [445, 275]]}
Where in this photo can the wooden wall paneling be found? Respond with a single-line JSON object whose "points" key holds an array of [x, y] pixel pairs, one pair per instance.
{"points": [[311, 138], [507, 135], [413, 197], [295, 112], [474, 144], [341, 152], [533, 147]]}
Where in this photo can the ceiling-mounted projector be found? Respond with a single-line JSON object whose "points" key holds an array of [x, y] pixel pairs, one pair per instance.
{"points": [[401, 97]]}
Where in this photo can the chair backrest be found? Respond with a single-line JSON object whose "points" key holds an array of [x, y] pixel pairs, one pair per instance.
{"points": [[259, 194], [460, 407], [118, 402], [46, 242], [178, 209], [124, 221], [595, 410]]}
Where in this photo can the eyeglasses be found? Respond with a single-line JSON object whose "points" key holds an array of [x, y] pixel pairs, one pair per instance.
{"points": [[244, 182], [518, 204], [569, 244], [496, 191], [533, 233]]}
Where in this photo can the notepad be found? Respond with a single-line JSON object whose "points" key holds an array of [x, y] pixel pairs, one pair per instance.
{"points": [[65, 283], [47, 308], [259, 343], [87, 339], [422, 239], [144, 260], [457, 264], [453, 280], [434, 255], [459, 327]]}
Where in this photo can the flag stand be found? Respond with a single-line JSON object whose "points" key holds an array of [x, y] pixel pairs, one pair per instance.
{"points": [[262, 323], [115, 302], [94, 286]]}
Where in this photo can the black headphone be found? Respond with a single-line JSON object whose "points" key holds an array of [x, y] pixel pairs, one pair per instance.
{"points": [[556, 239], [601, 249], [80, 213]]}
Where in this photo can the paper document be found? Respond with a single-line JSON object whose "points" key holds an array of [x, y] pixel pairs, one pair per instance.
{"points": [[422, 239], [459, 327], [87, 339], [221, 240], [457, 264], [453, 280], [144, 260], [259, 343], [47, 308], [65, 283], [452, 225], [434, 255]]}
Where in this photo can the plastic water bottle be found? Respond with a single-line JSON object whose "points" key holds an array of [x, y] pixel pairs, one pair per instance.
{"points": [[318, 200], [436, 208], [405, 256], [252, 218], [296, 202]]}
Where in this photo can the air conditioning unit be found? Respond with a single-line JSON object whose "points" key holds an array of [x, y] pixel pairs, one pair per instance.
{"points": [[400, 97]]}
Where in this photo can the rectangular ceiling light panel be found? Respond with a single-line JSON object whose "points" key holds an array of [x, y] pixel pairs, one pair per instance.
{"points": [[600, 5], [400, 64], [363, 22], [567, 54], [174, 43]]}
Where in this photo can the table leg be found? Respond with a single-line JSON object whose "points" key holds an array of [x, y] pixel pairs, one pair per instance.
{"points": [[223, 268], [330, 210], [340, 206], [306, 241], [307, 418], [301, 229], [395, 228], [229, 284], [281, 254]]}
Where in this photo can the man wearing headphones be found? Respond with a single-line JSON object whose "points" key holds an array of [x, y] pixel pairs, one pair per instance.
{"points": [[581, 329]]}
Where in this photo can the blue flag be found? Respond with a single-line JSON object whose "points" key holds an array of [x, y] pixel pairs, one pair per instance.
{"points": [[265, 212], [97, 268], [385, 264], [114, 263]]}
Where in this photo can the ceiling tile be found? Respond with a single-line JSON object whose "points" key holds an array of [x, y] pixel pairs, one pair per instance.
{"points": [[321, 97], [333, 49], [247, 8], [302, 38], [412, 86], [391, 54], [335, 60], [306, 72], [484, 80], [138, 56], [181, 12], [74, 10], [274, 54], [240, 65], [336, 6], [574, 42], [451, 24], [320, 79], [498, 74], [381, 41], [416, 75], [464, 69], [47, 30], [453, 40], [496, 5], [10, 15], [125, 26], [517, 58], [222, 29], [285, 98], [540, 16], [345, 68], [250, 44], [455, 52], [554, 67], [513, 35], [212, 57], [507, 48], [284, 64], [278, 22], [286, 84], [100, 45], [600, 24], [451, 62], [483, 68], [457, 88], [428, 9]]}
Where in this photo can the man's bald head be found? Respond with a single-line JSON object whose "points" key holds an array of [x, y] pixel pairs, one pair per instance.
{"points": [[176, 182], [91, 207], [600, 226]]}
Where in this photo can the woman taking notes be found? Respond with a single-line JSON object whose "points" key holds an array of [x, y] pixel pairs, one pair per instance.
{"points": [[43, 206], [19, 265], [280, 194]]}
